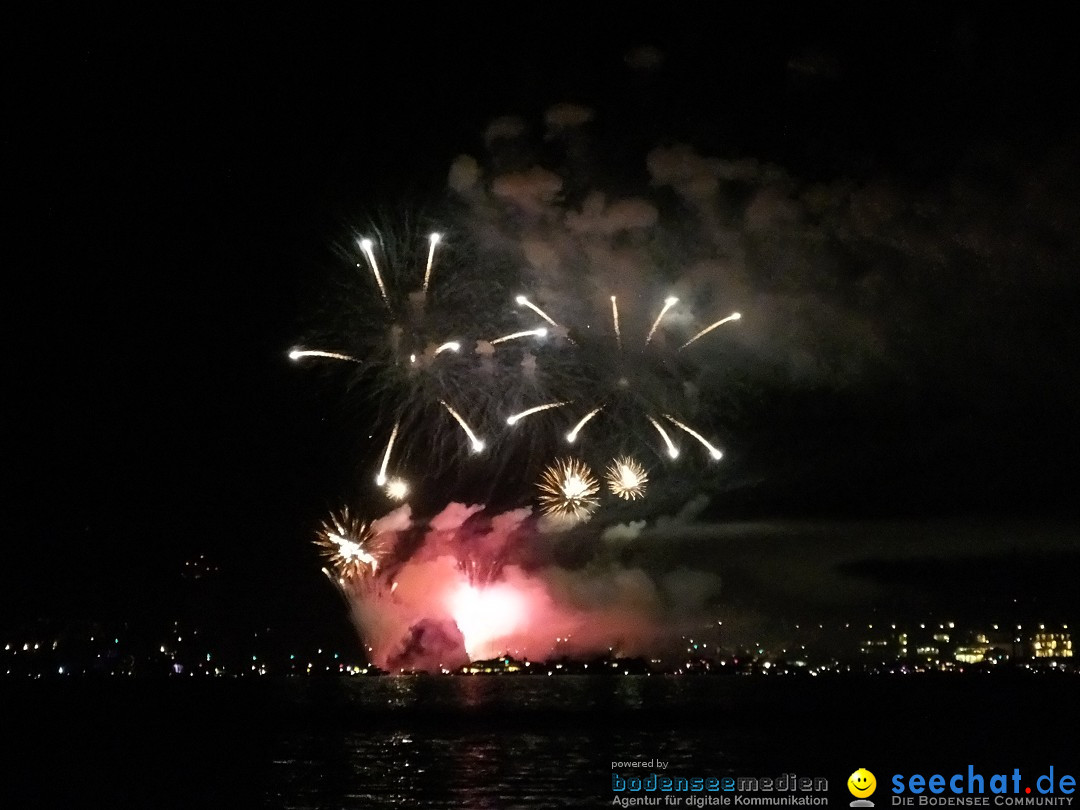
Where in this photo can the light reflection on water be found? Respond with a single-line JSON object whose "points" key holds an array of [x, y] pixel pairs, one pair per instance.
{"points": [[483, 742], [486, 770], [502, 742], [499, 741]]}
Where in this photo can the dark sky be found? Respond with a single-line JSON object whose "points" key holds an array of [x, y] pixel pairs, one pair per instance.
{"points": [[177, 180]]}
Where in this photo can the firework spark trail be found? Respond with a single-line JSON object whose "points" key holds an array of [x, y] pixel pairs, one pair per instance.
{"points": [[380, 479], [517, 417], [299, 354], [635, 384], [571, 437], [734, 316], [433, 240], [668, 304], [626, 478], [713, 451], [449, 346], [539, 332], [568, 487], [477, 444], [672, 450], [615, 320], [369, 254], [521, 300]]}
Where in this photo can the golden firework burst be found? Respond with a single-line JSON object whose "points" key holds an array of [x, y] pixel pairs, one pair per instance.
{"points": [[349, 545], [568, 487], [626, 478]]}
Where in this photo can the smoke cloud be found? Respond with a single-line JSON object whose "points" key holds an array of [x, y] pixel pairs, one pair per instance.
{"points": [[477, 586]]}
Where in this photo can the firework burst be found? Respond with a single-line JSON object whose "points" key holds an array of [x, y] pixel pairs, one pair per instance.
{"points": [[626, 381], [568, 487], [415, 332], [626, 478], [350, 546], [397, 489]]}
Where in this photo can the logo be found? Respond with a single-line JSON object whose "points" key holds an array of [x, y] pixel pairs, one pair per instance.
{"points": [[1008, 790], [861, 784]]}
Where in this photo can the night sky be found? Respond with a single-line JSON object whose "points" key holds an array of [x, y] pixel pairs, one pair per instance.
{"points": [[177, 183]]}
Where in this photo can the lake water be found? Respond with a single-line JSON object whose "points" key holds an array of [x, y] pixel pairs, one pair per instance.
{"points": [[506, 741]]}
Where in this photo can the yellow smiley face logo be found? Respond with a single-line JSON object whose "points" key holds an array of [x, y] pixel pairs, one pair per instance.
{"points": [[861, 783]]}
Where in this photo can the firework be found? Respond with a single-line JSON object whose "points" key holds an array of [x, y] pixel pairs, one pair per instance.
{"points": [[714, 453], [397, 489], [380, 479], [639, 389], [369, 254], [568, 487], [444, 389], [539, 332], [349, 545], [485, 615], [615, 321], [477, 443], [300, 354], [517, 417], [571, 437], [521, 300], [433, 240], [472, 393], [672, 450], [626, 478], [412, 330], [668, 304], [734, 316]]}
